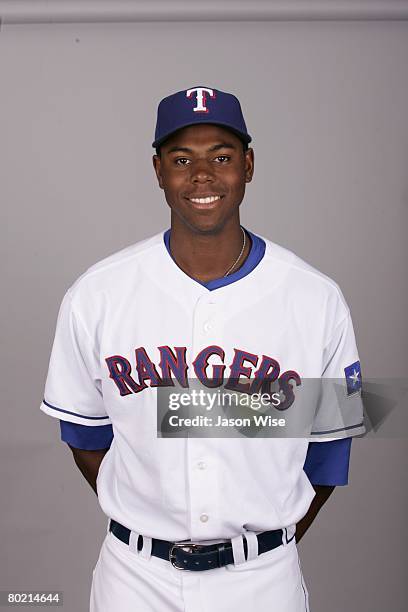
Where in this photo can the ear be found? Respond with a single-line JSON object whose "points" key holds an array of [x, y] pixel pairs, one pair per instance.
{"points": [[249, 165], [157, 167]]}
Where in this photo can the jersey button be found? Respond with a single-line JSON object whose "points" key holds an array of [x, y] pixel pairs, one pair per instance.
{"points": [[207, 326], [204, 518], [201, 465]]}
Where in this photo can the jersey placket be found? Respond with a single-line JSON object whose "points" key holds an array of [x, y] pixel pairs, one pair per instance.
{"points": [[201, 455]]}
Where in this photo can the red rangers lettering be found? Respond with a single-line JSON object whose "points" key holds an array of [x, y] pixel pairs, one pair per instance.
{"points": [[243, 376]]}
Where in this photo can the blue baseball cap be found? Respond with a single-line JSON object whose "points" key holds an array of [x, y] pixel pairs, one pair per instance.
{"points": [[199, 105]]}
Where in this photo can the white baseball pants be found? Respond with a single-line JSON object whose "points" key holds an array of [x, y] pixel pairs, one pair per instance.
{"points": [[138, 582]]}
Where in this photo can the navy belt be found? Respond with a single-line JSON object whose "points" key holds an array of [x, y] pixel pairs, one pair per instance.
{"points": [[198, 557]]}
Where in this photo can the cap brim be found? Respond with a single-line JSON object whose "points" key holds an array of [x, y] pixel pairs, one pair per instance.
{"points": [[241, 135]]}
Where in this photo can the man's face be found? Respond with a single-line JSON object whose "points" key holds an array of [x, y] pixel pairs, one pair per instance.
{"points": [[203, 170]]}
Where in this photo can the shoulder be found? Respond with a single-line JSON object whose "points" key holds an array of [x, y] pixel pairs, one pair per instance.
{"points": [[303, 282], [115, 271]]}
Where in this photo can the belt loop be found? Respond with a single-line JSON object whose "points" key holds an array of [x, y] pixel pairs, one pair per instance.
{"points": [[108, 526], [133, 538], [146, 551], [288, 534], [238, 549], [252, 544]]}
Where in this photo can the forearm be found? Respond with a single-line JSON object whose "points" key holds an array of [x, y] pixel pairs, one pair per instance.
{"points": [[88, 462], [322, 495]]}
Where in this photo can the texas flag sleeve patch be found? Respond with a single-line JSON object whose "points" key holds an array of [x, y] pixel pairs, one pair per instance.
{"points": [[353, 378]]}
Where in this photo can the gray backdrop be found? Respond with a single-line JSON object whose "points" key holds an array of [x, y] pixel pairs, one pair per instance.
{"points": [[326, 104]]}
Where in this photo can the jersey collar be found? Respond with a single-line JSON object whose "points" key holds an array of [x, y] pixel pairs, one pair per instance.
{"points": [[255, 256]]}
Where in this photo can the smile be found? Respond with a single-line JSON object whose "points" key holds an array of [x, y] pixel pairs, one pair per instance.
{"points": [[206, 200]]}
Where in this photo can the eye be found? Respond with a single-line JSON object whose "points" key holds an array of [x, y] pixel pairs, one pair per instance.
{"points": [[223, 158], [181, 161]]}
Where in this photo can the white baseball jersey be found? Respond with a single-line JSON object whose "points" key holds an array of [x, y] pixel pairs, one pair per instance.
{"points": [[136, 318]]}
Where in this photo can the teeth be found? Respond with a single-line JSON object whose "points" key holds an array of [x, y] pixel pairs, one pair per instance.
{"points": [[205, 200]]}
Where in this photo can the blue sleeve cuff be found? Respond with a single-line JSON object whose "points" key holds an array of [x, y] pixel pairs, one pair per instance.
{"points": [[327, 463], [85, 436]]}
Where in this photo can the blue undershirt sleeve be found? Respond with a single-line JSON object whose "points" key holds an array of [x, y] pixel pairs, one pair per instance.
{"points": [[85, 436], [327, 463]]}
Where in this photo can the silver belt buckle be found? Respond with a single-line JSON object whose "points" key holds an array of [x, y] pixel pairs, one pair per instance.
{"points": [[184, 545]]}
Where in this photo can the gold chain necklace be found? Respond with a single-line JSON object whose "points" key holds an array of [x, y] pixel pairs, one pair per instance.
{"points": [[239, 256]]}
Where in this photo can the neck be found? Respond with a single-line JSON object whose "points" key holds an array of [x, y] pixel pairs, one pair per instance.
{"points": [[206, 257]]}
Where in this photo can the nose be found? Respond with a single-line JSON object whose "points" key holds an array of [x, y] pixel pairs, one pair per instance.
{"points": [[201, 172]]}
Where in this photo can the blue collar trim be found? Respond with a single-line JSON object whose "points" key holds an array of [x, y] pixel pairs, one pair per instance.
{"points": [[254, 257]]}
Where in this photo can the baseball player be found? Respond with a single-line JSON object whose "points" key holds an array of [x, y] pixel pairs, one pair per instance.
{"points": [[202, 523]]}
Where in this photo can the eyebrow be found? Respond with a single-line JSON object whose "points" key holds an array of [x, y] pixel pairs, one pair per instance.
{"points": [[216, 147]]}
